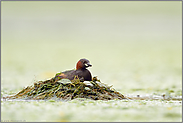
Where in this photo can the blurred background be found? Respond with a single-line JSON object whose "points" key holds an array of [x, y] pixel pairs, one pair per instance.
{"points": [[134, 46]]}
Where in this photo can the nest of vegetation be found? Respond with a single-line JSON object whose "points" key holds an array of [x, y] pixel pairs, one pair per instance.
{"points": [[64, 89]]}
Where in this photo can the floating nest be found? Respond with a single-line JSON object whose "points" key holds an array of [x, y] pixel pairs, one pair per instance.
{"points": [[64, 89]]}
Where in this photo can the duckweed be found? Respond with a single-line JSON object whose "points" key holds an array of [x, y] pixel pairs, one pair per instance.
{"points": [[172, 115]]}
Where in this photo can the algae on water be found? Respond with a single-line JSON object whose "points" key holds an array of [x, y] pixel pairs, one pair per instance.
{"points": [[64, 89]]}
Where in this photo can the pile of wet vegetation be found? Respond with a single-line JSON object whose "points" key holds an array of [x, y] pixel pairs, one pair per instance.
{"points": [[64, 89]]}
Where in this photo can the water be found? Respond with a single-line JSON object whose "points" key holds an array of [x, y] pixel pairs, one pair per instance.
{"points": [[131, 45]]}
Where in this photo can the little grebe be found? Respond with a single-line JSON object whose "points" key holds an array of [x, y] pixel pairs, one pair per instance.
{"points": [[81, 72]]}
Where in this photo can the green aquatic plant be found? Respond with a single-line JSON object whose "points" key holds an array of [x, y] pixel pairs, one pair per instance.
{"points": [[64, 89]]}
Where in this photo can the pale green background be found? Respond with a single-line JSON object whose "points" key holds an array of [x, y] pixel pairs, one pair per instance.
{"points": [[134, 46]]}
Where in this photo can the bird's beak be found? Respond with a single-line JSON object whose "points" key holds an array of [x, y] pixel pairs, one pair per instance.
{"points": [[88, 65]]}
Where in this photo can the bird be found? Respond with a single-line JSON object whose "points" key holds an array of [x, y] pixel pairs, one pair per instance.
{"points": [[81, 72]]}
